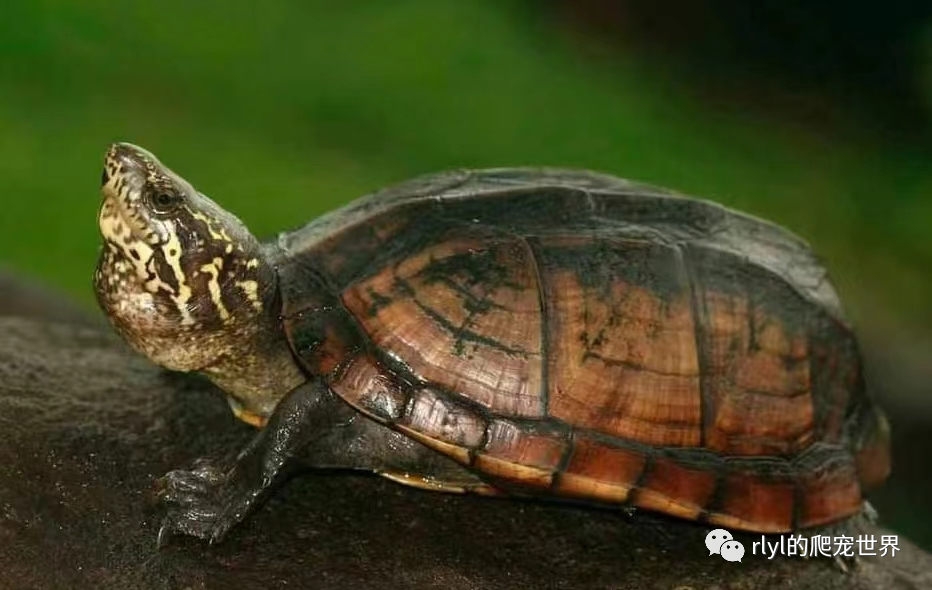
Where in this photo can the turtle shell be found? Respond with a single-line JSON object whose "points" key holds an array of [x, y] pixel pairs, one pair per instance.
{"points": [[576, 335]]}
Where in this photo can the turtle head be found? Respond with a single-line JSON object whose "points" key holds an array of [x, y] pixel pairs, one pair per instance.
{"points": [[182, 280]]}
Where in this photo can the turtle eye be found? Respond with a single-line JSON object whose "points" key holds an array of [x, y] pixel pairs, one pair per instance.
{"points": [[164, 202]]}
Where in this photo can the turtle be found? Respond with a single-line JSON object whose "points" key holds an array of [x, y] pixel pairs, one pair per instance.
{"points": [[540, 333]]}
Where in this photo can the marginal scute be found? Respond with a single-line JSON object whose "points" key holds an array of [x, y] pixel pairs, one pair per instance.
{"points": [[320, 333], [676, 489], [443, 418], [828, 486], [761, 499], [521, 453], [364, 385], [600, 471], [320, 340], [454, 451], [872, 458]]}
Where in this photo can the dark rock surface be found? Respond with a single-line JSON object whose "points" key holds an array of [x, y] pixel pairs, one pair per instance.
{"points": [[22, 297], [87, 427]]}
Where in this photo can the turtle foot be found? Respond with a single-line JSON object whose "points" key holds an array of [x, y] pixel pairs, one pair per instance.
{"points": [[205, 502]]}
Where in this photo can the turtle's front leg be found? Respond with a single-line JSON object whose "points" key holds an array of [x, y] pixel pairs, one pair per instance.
{"points": [[208, 501], [311, 427]]}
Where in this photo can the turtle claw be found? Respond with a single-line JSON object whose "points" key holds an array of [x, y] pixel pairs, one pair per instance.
{"points": [[205, 503], [165, 533]]}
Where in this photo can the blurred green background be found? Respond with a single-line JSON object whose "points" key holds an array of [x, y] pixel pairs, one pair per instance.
{"points": [[814, 115]]}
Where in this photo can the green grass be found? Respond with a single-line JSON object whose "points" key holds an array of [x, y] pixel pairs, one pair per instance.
{"points": [[284, 112]]}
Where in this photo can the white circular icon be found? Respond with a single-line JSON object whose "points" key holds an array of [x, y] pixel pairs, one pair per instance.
{"points": [[732, 551], [715, 539]]}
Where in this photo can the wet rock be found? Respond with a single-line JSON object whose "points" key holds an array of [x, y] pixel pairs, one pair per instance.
{"points": [[88, 426]]}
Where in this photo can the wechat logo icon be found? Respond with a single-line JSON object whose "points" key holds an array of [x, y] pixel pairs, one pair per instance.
{"points": [[721, 541]]}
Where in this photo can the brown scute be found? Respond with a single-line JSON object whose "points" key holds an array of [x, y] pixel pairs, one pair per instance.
{"points": [[623, 360], [749, 502], [366, 242], [748, 424], [676, 489], [436, 416], [756, 378], [528, 456], [364, 385], [600, 471], [476, 331], [829, 491]]}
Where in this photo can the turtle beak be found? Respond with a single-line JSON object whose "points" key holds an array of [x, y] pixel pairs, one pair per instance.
{"points": [[127, 160], [122, 182]]}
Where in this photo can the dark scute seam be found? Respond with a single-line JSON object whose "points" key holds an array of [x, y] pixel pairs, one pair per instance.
{"points": [[700, 331], [534, 250]]}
